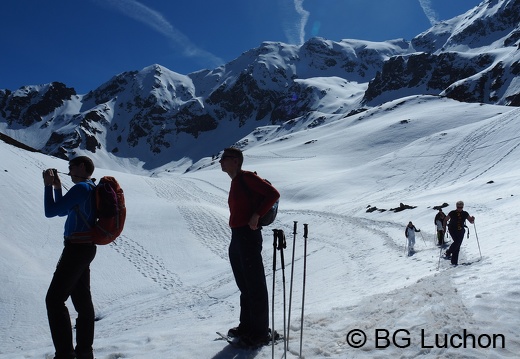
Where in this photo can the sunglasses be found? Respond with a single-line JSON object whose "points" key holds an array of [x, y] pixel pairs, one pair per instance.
{"points": [[224, 157], [75, 165]]}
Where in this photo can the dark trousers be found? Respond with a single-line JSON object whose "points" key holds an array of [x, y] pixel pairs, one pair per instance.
{"points": [[458, 237], [245, 256], [440, 237], [72, 278]]}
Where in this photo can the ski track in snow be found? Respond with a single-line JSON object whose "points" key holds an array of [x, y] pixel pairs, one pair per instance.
{"points": [[177, 296], [381, 311], [207, 227], [474, 140], [194, 204], [461, 155], [384, 310], [147, 264]]}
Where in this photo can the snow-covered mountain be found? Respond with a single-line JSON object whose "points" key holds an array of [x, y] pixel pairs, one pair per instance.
{"points": [[473, 57], [156, 117]]}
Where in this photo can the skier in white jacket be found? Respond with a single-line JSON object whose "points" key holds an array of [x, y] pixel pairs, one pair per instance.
{"points": [[409, 232]]}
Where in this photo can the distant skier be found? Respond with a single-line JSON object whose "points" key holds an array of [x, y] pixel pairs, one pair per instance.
{"points": [[439, 223], [456, 219], [409, 232]]}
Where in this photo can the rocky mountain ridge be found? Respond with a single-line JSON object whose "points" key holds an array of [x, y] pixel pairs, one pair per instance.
{"points": [[157, 116]]}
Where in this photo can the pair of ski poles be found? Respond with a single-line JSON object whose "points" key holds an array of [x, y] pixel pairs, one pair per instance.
{"points": [[280, 243]]}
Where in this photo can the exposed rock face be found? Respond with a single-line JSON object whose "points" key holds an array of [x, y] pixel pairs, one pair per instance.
{"points": [[473, 58], [30, 104]]}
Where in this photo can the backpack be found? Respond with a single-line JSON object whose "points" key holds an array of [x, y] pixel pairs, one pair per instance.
{"points": [[270, 216], [110, 214]]}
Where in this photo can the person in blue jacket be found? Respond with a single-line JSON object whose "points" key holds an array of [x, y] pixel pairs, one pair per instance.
{"points": [[72, 275]]}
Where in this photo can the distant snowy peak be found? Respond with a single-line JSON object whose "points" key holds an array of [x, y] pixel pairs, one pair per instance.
{"points": [[355, 60], [473, 57], [493, 23], [154, 79]]}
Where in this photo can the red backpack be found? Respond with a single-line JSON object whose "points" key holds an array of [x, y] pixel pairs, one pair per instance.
{"points": [[110, 215]]}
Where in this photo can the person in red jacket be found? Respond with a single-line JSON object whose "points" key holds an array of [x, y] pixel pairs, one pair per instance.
{"points": [[250, 197]]}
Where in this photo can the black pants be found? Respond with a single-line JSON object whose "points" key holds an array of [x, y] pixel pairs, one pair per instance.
{"points": [[245, 256], [72, 278], [458, 237], [440, 237]]}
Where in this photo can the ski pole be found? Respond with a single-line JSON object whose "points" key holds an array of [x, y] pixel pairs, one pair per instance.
{"points": [[291, 285], [476, 236], [282, 244], [305, 233], [275, 235], [423, 239], [440, 253]]}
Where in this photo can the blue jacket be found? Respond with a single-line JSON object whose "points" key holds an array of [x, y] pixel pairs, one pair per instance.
{"points": [[81, 197]]}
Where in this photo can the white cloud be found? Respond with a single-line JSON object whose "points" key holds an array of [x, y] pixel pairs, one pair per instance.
{"points": [[304, 16], [294, 23], [155, 20], [429, 11]]}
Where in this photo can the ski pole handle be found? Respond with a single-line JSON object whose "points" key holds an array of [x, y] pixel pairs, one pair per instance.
{"points": [[305, 230], [294, 230], [282, 244]]}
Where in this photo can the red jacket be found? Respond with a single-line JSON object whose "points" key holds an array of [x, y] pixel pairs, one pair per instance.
{"points": [[249, 194]]}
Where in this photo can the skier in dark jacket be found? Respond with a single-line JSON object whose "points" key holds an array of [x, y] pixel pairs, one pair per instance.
{"points": [[72, 275], [439, 224], [457, 219], [250, 197]]}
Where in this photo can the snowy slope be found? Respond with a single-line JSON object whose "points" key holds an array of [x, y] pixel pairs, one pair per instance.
{"points": [[166, 286]]}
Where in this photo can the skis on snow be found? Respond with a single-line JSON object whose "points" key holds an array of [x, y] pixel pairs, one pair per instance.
{"points": [[235, 341]]}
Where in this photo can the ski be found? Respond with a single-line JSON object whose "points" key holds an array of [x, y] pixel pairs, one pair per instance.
{"points": [[461, 264], [235, 342], [230, 340]]}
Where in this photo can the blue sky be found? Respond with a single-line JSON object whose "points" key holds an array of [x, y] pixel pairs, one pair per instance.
{"points": [[83, 43]]}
